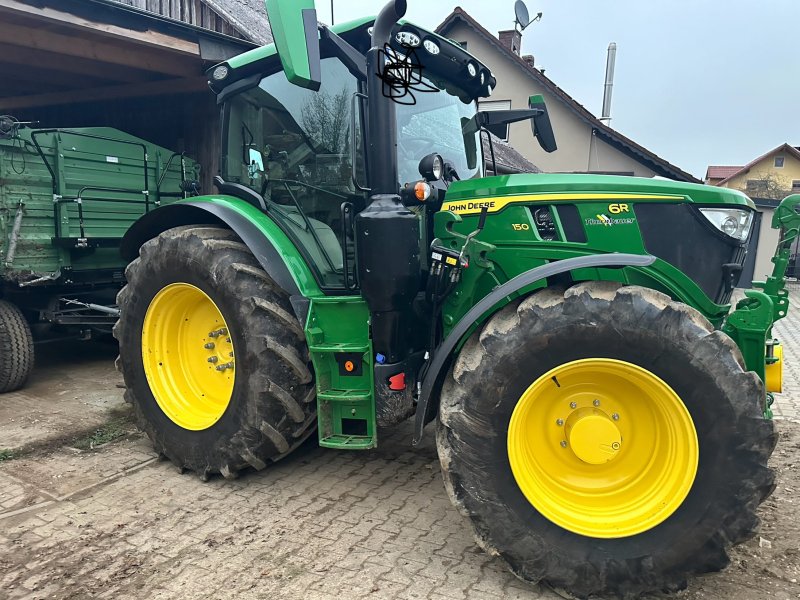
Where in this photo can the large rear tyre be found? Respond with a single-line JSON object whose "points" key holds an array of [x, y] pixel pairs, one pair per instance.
{"points": [[605, 440], [16, 348], [216, 365]]}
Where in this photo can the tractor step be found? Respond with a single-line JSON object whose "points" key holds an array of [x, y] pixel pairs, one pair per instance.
{"points": [[337, 331], [348, 442]]}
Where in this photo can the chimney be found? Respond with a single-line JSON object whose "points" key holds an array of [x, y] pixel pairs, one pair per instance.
{"points": [[511, 39]]}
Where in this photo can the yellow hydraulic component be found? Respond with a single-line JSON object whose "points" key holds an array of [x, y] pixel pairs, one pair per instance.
{"points": [[188, 356], [603, 447], [773, 372]]}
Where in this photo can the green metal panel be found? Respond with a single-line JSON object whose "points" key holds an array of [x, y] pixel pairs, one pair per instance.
{"points": [[79, 162], [551, 183]]}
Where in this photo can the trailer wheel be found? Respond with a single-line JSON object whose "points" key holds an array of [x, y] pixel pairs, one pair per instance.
{"points": [[215, 363], [16, 348], [605, 439]]}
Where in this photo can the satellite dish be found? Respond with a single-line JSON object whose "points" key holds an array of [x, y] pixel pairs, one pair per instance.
{"points": [[521, 14]]}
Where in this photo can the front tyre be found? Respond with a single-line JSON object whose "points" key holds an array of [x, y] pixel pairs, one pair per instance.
{"points": [[215, 364], [605, 440]]}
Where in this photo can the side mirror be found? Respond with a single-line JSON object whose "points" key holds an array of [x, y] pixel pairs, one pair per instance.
{"points": [[540, 126], [470, 145], [295, 31]]}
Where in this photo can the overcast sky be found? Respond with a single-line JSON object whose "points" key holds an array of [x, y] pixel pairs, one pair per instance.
{"points": [[698, 82]]}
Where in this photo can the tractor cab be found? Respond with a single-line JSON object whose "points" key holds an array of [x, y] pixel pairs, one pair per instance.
{"points": [[304, 151]]}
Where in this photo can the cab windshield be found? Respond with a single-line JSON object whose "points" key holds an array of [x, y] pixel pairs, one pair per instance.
{"points": [[434, 124]]}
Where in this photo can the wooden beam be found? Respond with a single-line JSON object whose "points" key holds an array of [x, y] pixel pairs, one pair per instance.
{"points": [[114, 92], [104, 52], [45, 80], [153, 39], [24, 58]]}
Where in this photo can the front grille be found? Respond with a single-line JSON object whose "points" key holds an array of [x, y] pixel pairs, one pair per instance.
{"points": [[680, 235]]}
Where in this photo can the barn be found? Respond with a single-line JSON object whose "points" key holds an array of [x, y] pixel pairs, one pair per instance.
{"points": [[136, 65]]}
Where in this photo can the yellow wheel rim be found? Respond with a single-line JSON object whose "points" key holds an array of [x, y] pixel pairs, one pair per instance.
{"points": [[188, 356], [603, 448], [773, 372]]}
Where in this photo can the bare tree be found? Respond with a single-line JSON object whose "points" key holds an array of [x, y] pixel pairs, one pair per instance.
{"points": [[767, 185], [325, 119]]}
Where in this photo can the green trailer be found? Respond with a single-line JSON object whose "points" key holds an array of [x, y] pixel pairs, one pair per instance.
{"points": [[66, 199]]}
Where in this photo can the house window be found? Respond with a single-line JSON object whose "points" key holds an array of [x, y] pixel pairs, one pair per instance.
{"points": [[779, 162], [500, 131], [796, 185], [756, 186]]}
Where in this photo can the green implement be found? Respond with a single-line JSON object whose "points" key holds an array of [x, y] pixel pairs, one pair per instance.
{"points": [[67, 197]]}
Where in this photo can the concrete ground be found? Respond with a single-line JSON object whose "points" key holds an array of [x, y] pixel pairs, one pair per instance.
{"points": [[113, 522], [71, 392]]}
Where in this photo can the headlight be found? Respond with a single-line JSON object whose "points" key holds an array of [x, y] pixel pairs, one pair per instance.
{"points": [[219, 73], [472, 69], [431, 46], [731, 221], [430, 167], [407, 38]]}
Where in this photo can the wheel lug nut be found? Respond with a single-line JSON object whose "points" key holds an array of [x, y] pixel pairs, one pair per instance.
{"points": [[563, 443], [596, 402], [559, 422], [209, 345], [615, 416], [573, 405], [212, 359]]}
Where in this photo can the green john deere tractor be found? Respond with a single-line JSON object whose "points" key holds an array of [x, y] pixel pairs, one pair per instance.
{"points": [[602, 416]]}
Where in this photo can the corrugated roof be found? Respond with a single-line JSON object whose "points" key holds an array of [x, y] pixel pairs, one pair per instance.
{"points": [[721, 172], [248, 17], [611, 136]]}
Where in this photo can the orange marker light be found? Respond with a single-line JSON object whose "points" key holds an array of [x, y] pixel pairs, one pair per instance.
{"points": [[422, 191], [349, 366]]}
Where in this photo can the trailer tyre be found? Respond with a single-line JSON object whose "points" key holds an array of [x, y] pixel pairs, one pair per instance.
{"points": [[215, 363], [605, 440], [16, 348]]}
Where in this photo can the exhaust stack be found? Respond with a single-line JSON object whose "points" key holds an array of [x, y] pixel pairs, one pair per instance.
{"points": [[609, 85]]}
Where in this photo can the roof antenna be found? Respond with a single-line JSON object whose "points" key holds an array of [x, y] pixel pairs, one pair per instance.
{"points": [[609, 85], [522, 18]]}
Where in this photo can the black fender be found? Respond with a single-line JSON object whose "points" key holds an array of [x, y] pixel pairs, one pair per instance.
{"points": [[442, 356], [206, 213]]}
